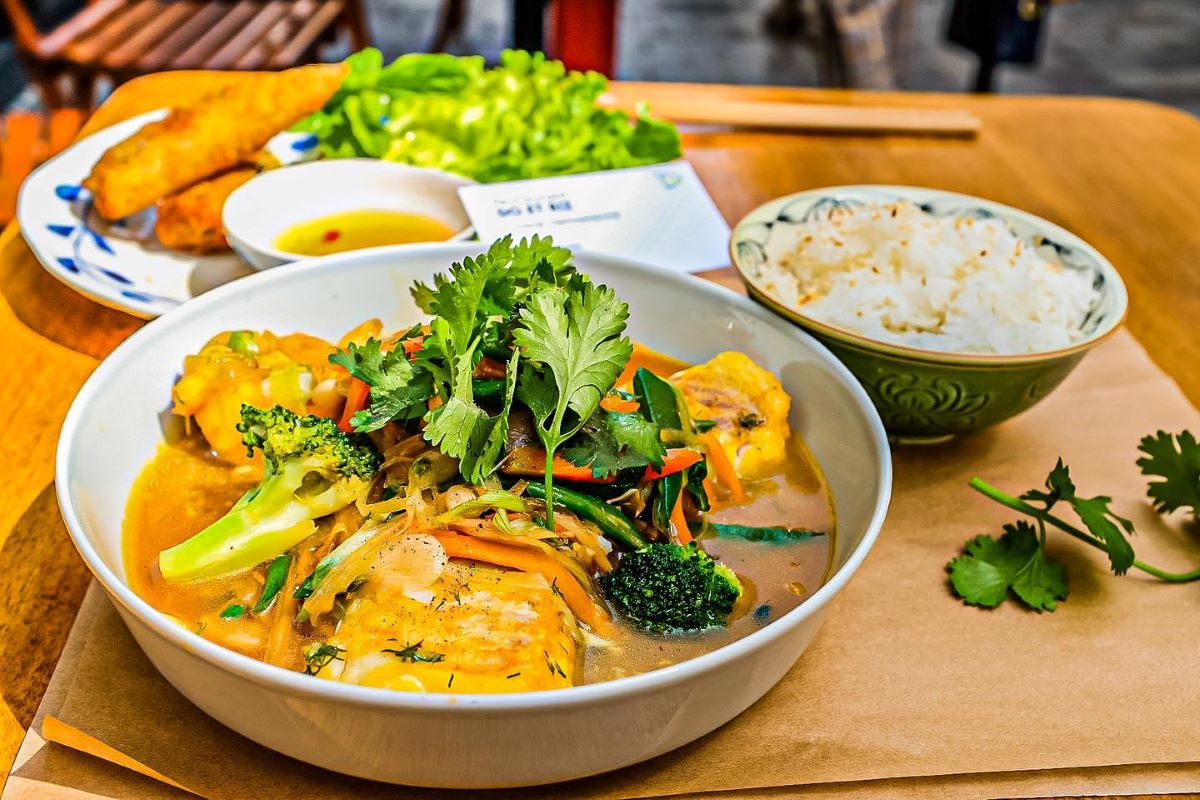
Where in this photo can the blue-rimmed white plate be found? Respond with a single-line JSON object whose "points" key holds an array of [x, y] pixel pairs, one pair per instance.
{"points": [[120, 264]]}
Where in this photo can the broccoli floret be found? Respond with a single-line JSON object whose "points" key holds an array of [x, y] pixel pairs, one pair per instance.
{"points": [[312, 469], [671, 588]]}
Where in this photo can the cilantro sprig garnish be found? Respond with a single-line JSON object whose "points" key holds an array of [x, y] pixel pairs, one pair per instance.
{"points": [[474, 307], [574, 351], [397, 390], [989, 569]]}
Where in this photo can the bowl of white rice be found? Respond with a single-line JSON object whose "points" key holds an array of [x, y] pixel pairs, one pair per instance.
{"points": [[954, 312]]}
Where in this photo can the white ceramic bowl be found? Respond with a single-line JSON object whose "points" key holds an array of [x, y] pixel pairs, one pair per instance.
{"points": [[264, 207], [475, 741]]}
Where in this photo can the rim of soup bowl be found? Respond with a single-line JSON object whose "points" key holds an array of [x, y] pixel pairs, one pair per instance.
{"points": [[298, 684], [796, 315]]}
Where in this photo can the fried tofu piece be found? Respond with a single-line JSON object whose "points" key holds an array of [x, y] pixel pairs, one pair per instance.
{"points": [[479, 629], [749, 406], [218, 132], [191, 220]]}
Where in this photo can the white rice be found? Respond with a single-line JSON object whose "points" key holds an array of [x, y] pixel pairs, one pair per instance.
{"points": [[949, 283]]}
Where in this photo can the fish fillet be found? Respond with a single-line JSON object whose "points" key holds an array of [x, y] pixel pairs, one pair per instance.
{"points": [[479, 630], [216, 133]]}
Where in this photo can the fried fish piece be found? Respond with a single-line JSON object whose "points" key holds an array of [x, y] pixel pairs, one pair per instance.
{"points": [[216, 133], [479, 629], [191, 220], [749, 406]]}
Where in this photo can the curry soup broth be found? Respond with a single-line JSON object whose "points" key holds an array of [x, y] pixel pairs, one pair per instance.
{"points": [[776, 577], [181, 491], [184, 488]]}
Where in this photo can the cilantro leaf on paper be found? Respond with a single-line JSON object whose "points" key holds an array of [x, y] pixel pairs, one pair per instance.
{"points": [[1175, 459], [1094, 512], [990, 568]]}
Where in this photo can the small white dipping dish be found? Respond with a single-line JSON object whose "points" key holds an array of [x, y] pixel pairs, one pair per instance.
{"points": [[257, 213]]}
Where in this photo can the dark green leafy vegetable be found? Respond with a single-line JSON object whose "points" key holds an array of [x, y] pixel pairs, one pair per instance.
{"points": [[233, 612], [771, 534], [695, 484], [526, 118], [612, 441], [658, 400], [662, 403], [666, 494]]}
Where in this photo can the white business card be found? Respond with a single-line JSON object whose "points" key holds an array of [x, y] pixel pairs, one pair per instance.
{"points": [[659, 215]]}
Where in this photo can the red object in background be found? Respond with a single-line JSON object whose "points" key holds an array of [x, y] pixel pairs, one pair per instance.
{"points": [[583, 34]]}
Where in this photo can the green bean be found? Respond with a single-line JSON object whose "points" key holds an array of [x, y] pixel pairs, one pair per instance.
{"points": [[607, 518], [276, 577]]}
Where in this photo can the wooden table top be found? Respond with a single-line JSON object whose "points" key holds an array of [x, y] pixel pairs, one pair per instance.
{"points": [[1123, 174]]}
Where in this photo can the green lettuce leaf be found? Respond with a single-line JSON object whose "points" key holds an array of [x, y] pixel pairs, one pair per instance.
{"points": [[528, 117]]}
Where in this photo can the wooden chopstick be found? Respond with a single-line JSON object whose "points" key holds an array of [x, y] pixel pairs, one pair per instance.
{"points": [[815, 117]]}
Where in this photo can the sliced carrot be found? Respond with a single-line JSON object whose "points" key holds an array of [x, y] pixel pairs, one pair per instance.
{"points": [[658, 363], [677, 460], [527, 560], [356, 400], [618, 404], [530, 462], [682, 532], [413, 345], [723, 466]]}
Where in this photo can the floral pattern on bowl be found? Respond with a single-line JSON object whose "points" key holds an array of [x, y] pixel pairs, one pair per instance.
{"points": [[120, 264], [925, 395]]}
